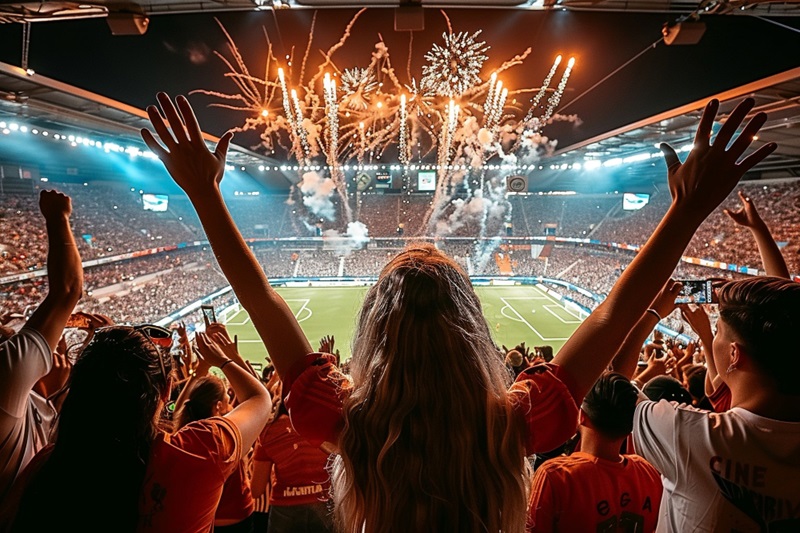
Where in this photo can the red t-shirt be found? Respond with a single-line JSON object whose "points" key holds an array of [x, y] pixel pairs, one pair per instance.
{"points": [[721, 398], [585, 493], [236, 502], [542, 397], [185, 476], [299, 474]]}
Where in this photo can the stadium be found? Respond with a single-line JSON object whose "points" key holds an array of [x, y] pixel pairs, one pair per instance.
{"points": [[522, 140]]}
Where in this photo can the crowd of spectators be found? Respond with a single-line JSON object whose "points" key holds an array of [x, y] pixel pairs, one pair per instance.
{"points": [[110, 220], [613, 432]]}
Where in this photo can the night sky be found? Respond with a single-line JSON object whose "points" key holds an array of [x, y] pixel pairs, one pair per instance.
{"points": [[176, 55]]}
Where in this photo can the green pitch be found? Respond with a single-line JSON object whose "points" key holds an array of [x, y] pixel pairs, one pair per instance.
{"points": [[515, 314]]}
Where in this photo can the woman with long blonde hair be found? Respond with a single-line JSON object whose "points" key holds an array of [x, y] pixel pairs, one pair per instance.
{"points": [[428, 435]]}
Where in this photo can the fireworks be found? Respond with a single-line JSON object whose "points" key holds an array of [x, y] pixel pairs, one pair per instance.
{"points": [[555, 98], [446, 141], [456, 66], [542, 90], [368, 116], [358, 85], [300, 130], [402, 144], [332, 114], [287, 108]]}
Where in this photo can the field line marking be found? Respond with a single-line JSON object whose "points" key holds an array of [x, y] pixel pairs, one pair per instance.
{"points": [[522, 319], [304, 308], [234, 317], [547, 308]]}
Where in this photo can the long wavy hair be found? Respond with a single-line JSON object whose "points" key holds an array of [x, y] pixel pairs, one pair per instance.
{"points": [[107, 425], [430, 441]]}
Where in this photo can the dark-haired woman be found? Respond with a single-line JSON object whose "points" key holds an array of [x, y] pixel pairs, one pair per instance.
{"points": [[112, 469]]}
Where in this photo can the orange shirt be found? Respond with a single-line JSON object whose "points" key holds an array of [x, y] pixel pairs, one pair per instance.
{"points": [[585, 493], [299, 475], [315, 389], [236, 502], [185, 476]]}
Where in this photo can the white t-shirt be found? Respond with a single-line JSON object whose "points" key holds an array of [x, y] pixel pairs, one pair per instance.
{"points": [[731, 471], [25, 417]]}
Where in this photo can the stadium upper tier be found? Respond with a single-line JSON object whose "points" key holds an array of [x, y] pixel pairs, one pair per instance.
{"points": [[146, 289], [109, 220]]}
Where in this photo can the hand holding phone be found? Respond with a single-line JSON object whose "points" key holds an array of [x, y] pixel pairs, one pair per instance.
{"points": [[209, 314], [696, 291]]}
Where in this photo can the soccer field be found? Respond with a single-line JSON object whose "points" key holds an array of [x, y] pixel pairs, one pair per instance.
{"points": [[515, 314]]}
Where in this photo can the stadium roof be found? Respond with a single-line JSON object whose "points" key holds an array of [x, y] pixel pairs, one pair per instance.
{"points": [[45, 102], [11, 11], [633, 149]]}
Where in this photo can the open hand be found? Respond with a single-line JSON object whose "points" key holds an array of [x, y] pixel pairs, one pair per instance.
{"points": [[182, 149], [711, 171], [747, 216], [326, 344], [210, 351]]}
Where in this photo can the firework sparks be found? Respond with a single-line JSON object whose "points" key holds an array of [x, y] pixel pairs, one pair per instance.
{"points": [[542, 90], [332, 114], [402, 143], [358, 85], [487, 106], [555, 98], [369, 113], [454, 67], [300, 130], [287, 108]]}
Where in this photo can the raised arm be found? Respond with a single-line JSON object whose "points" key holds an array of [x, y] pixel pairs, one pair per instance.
{"points": [[627, 356], [697, 186], [255, 404], [64, 269], [198, 172], [771, 256], [698, 320]]}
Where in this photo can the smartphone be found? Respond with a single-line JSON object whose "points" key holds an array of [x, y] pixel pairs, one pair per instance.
{"points": [[696, 291], [208, 313]]}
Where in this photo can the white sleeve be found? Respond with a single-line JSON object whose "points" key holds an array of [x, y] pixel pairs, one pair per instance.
{"points": [[655, 435], [25, 358]]}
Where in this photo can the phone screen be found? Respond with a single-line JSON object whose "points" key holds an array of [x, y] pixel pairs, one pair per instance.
{"points": [[208, 312], [696, 291]]}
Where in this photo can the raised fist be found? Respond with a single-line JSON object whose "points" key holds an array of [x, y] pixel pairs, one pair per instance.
{"points": [[54, 204]]}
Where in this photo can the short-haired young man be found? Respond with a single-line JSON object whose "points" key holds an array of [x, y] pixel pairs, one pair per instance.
{"points": [[597, 489], [737, 470]]}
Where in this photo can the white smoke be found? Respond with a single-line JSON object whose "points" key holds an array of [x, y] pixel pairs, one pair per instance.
{"points": [[358, 232], [317, 193], [356, 238], [484, 252]]}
